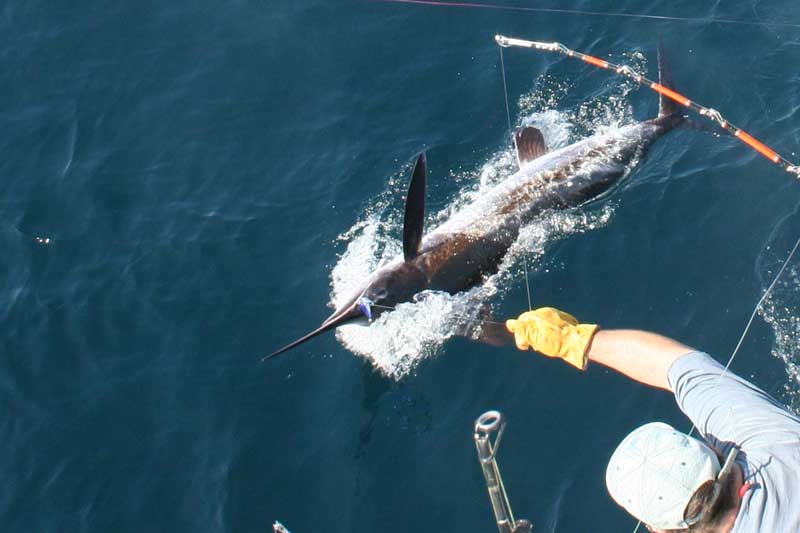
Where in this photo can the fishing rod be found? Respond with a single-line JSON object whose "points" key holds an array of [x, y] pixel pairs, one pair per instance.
{"points": [[629, 72]]}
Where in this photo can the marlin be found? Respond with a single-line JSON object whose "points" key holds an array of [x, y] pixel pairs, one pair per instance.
{"points": [[472, 244]]}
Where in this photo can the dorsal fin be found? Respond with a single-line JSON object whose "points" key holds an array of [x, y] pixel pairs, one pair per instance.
{"points": [[530, 144], [414, 218]]}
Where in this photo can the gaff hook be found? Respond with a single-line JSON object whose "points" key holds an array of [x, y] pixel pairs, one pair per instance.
{"points": [[487, 424]]}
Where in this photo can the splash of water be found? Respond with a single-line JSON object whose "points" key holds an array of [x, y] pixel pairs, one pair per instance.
{"points": [[779, 312], [396, 342]]}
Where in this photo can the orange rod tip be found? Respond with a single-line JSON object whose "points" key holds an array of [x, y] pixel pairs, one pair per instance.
{"points": [[758, 146], [596, 61], [672, 95]]}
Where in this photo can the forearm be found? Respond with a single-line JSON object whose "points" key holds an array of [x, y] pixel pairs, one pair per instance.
{"points": [[643, 356]]}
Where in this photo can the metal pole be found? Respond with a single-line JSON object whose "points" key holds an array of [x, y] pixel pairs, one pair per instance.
{"points": [[487, 424]]}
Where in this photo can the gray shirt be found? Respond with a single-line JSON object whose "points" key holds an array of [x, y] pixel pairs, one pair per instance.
{"points": [[728, 410]]}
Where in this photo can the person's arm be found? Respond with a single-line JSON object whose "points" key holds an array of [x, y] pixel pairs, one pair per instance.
{"points": [[640, 355], [723, 406], [645, 357]]}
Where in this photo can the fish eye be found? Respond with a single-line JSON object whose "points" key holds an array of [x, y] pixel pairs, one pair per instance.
{"points": [[380, 294]]}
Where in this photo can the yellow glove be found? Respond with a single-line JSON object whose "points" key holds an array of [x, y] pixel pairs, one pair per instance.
{"points": [[553, 333]]}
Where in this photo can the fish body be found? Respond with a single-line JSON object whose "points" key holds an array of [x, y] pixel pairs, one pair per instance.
{"points": [[473, 242]]}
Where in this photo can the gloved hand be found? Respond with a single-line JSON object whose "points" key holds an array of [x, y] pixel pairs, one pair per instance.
{"points": [[553, 333]]}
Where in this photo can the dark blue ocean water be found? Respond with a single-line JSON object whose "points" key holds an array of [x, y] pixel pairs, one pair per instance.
{"points": [[178, 181]]}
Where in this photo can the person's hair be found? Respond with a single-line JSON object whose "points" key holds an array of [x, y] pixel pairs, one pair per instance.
{"points": [[712, 510]]}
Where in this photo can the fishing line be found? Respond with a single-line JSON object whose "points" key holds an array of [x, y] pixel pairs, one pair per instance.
{"points": [[505, 87], [711, 113], [761, 301], [745, 332], [462, 317], [519, 215], [663, 91], [501, 7]]}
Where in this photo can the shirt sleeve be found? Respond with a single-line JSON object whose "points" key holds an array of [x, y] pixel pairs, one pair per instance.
{"points": [[728, 409]]}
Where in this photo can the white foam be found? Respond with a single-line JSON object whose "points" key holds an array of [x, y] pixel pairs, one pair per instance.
{"points": [[779, 311], [397, 341], [366, 249]]}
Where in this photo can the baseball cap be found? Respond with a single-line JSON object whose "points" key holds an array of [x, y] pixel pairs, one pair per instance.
{"points": [[656, 470]]}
